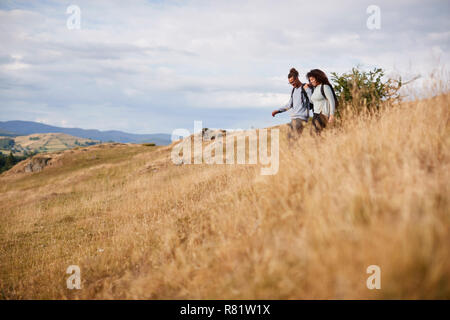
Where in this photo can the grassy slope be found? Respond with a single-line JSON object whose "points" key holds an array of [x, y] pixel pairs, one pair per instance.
{"points": [[374, 191], [50, 141]]}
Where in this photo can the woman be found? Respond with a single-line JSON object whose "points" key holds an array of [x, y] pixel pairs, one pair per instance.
{"points": [[323, 98]]}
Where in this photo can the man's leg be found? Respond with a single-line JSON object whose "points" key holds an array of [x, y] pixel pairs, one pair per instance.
{"points": [[299, 125], [295, 128], [290, 130]]}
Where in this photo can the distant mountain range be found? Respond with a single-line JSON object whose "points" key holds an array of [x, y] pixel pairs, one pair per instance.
{"points": [[18, 127]]}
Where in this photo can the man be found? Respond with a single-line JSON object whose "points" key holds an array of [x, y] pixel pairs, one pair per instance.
{"points": [[298, 105]]}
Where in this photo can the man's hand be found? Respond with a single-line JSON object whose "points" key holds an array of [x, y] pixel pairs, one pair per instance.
{"points": [[275, 112], [306, 86], [331, 119]]}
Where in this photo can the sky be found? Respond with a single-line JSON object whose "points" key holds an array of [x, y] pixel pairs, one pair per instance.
{"points": [[154, 66]]}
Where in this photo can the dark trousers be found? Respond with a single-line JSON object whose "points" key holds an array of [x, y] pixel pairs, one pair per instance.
{"points": [[296, 128], [319, 122]]}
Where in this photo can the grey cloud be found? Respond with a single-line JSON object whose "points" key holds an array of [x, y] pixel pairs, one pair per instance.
{"points": [[162, 65]]}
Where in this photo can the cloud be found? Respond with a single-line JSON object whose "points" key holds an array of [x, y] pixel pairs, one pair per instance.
{"points": [[155, 66]]}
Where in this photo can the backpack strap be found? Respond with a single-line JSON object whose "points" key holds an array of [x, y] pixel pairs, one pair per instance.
{"points": [[303, 90], [304, 95], [305, 98], [292, 98], [322, 91], [336, 102]]}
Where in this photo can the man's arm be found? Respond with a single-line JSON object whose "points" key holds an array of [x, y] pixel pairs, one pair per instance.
{"points": [[283, 109], [308, 91], [287, 106]]}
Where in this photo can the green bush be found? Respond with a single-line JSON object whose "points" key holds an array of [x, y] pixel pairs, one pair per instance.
{"points": [[6, 143], [365, 90], [7, 162]]}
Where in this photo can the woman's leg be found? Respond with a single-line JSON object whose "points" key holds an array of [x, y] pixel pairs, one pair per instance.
{"points": [[319, 122]]}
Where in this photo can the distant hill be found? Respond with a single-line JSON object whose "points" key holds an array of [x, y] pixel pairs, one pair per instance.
{"points": [[19, 127], [5, 133], [42, 142]]}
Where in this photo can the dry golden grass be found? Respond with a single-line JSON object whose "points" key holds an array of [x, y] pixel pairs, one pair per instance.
{"points": [[373, 191]]}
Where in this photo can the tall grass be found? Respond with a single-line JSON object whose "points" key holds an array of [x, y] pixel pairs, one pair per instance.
{"points": [[373, 190]]}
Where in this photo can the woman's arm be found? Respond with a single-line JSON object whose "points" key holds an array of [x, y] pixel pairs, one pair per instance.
{"points": [[330, 97]]}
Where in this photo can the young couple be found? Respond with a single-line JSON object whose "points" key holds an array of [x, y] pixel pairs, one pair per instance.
{"points": [[318, 94]]}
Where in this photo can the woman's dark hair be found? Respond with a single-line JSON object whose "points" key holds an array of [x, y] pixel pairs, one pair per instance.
{"points": [[319, 75], [293, 73]]}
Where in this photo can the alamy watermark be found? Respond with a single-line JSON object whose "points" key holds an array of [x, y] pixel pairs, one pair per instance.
{"points": [[214, 152], [74, 20], [374, 281], [374, 20], [74, 281]]}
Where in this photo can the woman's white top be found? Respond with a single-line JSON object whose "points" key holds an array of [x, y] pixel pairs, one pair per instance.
{"points": [[325, 105]]}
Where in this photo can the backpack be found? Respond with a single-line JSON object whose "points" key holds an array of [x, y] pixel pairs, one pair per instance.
{"points": [[305, 99], [336, 101]]}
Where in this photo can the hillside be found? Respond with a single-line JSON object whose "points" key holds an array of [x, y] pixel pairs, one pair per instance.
{"points": [[47, 142], [29, 127], [373, 191]]}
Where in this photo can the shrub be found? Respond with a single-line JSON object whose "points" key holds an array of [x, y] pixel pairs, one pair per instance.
{"points": [[7, 162], [6, 143], [365, 90]]}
